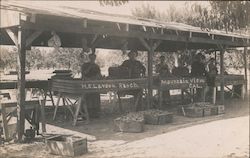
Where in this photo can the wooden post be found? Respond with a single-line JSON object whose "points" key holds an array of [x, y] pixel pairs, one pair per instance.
{"points": [[150, 74], [222, 75], [245, 73], [215, 88], [151, 47], [21, 55]]}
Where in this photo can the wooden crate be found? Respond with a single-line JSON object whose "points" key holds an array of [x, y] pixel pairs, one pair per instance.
{"points": [[159, 119], [129, 126], [207, 111], [221, 109], [193, 111], [67, 145], [214, 110]]}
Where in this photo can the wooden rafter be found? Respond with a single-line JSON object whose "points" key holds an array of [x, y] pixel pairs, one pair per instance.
{"points": [[156, 44], [145, 44], [131, 34], [13, 36], [94, 39], [32, 37]]}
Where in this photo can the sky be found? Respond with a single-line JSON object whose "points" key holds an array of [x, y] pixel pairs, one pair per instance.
{"points": [[125, 9]]}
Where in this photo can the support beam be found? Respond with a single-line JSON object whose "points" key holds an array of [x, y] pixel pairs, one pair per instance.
{"points": [[222, 83], [127, 28], [245, 73], [69, 28], [85, 23], [145, 44], [151, 47], [32, 37], [156, 45], [93, 41], [150, 74], [21, 83], [13, 36]]}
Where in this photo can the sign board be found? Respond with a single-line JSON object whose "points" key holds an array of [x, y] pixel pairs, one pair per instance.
{"points": [[78, 86], [179, 83]]}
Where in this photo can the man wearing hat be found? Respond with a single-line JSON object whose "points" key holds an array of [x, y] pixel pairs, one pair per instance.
{"points": [[91, 71], [162, 67], [135, 67], [135, 70]]}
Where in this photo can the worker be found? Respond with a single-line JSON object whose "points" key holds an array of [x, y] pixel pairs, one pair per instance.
{"points": [[198, 66], [162, 67], [91, 71], [211, 75], [198, 69], [181, 70], [135, 70], [135, 67], [164, 72]]}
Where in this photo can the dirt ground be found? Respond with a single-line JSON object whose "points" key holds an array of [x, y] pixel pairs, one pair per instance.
{"points": [[214, 136]]}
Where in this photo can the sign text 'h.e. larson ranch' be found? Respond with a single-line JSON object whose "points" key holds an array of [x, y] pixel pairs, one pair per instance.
{"points": [[120, 85]]}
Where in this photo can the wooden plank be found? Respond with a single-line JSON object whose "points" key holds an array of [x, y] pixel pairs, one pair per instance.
{"points": [[32, 37], [4, 122], [9, 18], [85, 23], [127, 27], [246, 64], [150, 74], [132, 33], [21, 83], [12, 35], [94, 40], [41, 84], [156, 44], [222, 83], [43, 104], [144, 43]]}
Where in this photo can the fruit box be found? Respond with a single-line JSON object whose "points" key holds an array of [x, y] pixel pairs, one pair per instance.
{"points": [[129, 126], [214, 110], [221, 109], [67, 145], [193, 111], [158, 119], [207, 111]]}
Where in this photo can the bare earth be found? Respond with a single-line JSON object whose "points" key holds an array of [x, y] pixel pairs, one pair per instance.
{"points": [[216, 136]]}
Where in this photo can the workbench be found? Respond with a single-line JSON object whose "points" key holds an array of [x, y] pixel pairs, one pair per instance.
{"points": [[192, 83], [76, 88], [42, 85]]}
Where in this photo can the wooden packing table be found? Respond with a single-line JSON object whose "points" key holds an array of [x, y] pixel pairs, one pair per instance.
{"points": [[42, 85], [78, 88], [191, 83], [184, 83]]}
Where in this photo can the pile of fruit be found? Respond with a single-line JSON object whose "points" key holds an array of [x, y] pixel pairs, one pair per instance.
{"points": [[133, 116]]}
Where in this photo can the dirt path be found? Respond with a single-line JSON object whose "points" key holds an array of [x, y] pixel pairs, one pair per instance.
{"points": [[223, 138], [227, 138]]}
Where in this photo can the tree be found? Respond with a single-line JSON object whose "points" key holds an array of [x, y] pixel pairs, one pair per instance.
{"points": [[222, 15], [113, 2], [146, 11], [8, 58]]}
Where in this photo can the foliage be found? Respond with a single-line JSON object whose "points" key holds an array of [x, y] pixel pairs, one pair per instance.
{"points": [[8, 58], [34, 59], [222, 15], [146, 11], [113, 2]]}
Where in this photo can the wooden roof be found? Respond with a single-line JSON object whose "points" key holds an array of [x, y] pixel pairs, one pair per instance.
{"points": [[109, 30]]}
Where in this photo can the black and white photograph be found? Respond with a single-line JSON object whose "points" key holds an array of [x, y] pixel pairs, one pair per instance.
{"points": [[124, 79]]}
